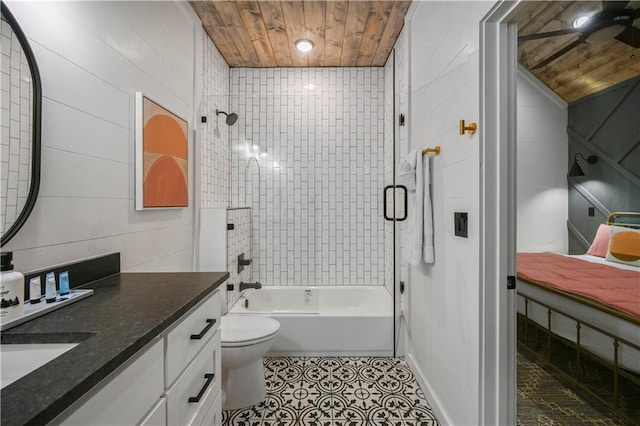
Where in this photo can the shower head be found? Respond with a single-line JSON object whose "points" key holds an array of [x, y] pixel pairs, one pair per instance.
{"points": [[231, 118]]}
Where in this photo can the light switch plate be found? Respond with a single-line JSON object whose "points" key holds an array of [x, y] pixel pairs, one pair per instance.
{"points": [[460, 222]]}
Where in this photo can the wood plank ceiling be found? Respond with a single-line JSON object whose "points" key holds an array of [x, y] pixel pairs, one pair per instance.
{"points": [[583, 70], [263, 33]]}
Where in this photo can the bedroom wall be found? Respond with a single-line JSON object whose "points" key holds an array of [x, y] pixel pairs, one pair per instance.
{"points": [[93, 57], [443, 300], [542, 204], [605, 124]]}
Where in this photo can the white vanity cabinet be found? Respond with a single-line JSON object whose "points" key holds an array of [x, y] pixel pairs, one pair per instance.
{"points": [[192, 366], [174, 380], [139, 380]]}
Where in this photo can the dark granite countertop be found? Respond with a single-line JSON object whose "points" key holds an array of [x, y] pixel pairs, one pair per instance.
{"points": [[125, 313]]}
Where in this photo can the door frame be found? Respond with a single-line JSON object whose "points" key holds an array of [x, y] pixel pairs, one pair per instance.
{"points": [[498, 65]]}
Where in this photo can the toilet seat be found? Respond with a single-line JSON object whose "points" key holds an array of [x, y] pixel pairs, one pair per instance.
{"points": [[246, 330]]}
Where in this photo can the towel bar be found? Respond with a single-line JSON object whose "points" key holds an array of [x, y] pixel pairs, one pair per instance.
{"points": [[435, 150]]}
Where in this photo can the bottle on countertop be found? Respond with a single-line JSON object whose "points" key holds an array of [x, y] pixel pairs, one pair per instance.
{"points": [[35, 290], [50, 287], [11, 290], [64, 283]]}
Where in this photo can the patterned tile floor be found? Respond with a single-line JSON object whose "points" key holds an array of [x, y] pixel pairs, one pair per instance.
{"points": [[304, 391]]}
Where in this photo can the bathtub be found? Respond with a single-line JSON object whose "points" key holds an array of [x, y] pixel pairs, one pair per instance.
{"points": [[325, 321]]}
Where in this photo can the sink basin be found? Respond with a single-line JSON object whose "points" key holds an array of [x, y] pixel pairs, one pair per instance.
{"points": [[18, 360]]}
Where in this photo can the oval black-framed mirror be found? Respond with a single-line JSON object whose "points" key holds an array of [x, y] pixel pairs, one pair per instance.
{"points": [[16, 164]]}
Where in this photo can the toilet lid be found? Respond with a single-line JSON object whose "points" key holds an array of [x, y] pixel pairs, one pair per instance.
{"points": [[245, 328]]}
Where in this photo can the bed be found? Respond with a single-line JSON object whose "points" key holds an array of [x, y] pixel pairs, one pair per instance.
{"points": [[589, 301]]}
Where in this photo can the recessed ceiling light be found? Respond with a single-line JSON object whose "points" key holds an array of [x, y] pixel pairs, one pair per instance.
{"points": [[580, 21], [304, 45]]}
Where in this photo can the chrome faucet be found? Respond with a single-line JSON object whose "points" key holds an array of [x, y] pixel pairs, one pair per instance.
{"points": [[244, 286]]}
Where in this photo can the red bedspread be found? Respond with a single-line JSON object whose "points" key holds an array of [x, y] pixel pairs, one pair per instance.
{"points": [[611, 286]]}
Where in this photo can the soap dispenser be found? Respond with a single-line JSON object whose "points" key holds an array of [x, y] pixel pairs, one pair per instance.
{"points": [[11, 289]]}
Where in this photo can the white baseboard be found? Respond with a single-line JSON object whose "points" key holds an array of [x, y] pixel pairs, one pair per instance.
{"points": [[443, 418]]}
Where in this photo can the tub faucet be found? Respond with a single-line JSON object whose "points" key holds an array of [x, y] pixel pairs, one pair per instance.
{"points": [[244, 286]]}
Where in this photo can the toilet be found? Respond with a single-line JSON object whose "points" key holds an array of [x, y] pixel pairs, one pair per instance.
{"points": [[245, 340]]}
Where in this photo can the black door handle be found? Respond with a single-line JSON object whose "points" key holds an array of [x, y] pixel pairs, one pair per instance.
{"points": [[384, 202]]}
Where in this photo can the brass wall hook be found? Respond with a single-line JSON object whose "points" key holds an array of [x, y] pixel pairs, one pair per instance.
{"points": [[471, 128]]}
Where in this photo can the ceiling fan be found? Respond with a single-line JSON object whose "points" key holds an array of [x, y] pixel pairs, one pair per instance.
{"points": [[614, 21]]}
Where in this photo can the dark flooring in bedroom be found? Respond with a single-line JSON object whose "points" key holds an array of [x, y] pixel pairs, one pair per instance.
{"points": [[548, 398], [545, 399], [344, 391]]}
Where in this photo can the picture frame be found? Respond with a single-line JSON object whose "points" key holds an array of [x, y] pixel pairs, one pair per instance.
{"points": [[162, 156]]}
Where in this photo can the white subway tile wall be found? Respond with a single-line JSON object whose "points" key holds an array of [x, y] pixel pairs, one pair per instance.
{"points": [[308, 156], [238, 241], [17, 105], [389, 117], [215, 160]]}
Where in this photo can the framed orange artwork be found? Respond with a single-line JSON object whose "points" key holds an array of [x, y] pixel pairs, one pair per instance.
{"points": [[162, 157]]}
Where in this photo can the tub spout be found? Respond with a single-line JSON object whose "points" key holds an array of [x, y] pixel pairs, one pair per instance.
{"points": [[244, 286]]}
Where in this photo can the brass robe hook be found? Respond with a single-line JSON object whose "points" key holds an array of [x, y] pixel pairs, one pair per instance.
{"points": [[471, 128]]}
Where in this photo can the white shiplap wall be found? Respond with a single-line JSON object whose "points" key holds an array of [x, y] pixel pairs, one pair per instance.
{"points": [[316, 195], [443, 299], [93, 57], [543, 198]]}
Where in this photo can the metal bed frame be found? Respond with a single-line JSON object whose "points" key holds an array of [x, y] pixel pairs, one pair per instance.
{"points": [[628, 219]]}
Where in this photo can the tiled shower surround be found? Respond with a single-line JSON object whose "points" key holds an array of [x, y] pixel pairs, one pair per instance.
{"points": [[15, 159], [238, 241], [316, 177], [214, 153]]}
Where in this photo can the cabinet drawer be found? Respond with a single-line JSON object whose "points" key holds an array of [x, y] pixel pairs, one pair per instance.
{"points": [[157, 416], [181, 347], [213, 417], [193, 383], [126, 395]]}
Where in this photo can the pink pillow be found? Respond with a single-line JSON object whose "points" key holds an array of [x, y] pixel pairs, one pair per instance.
{"points": [[600, 244]]}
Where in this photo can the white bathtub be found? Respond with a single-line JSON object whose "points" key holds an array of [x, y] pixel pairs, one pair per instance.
{"points": [[325, 321]]}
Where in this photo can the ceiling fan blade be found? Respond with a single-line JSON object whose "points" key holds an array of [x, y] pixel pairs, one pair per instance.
{"points": [[548, 34], [614, 4], [630, 36], [556, 55]]}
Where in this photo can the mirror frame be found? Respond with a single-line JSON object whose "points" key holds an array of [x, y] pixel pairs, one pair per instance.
{"points": [[34, 187]]}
